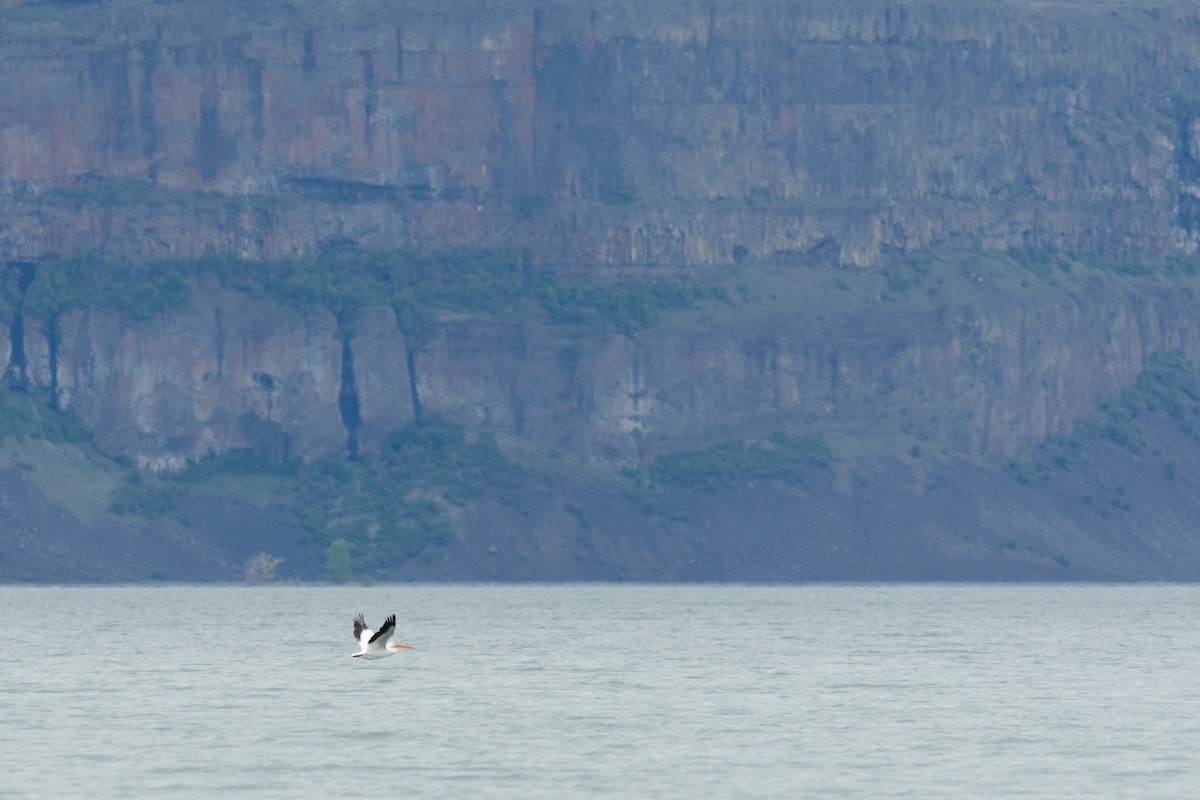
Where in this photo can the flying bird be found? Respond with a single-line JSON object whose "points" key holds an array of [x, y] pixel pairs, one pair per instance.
{"points": [[375, 644]]}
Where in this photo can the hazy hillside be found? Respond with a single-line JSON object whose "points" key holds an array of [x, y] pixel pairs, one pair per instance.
{"points": [[740, 291]]}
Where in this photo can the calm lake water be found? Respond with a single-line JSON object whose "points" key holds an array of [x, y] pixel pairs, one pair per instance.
{"points": [[602, 691]]}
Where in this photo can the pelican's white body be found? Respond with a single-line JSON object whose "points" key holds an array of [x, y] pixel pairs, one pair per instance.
{"points": [[375, 644]]}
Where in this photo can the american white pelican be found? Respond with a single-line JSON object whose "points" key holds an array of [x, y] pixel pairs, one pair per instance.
{"points": [[375, 644]]}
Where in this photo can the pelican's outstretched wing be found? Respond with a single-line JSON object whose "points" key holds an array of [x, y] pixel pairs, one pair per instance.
{"points": [[385, 630], [360, 625]]}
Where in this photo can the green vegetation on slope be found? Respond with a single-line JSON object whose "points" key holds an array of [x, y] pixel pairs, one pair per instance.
{"points": [[418, 286], [781, 458], [393, 506], [1169, 384], [660, 486], [139, 289], [22, 417], [1048, 265], [384, 508]]}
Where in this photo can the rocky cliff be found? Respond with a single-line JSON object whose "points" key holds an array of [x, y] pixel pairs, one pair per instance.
{"points": [[601, 137], [600, 133], [926, 225], [992, 368]]}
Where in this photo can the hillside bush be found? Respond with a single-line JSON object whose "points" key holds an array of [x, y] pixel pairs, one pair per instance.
{"points": [[24, 417], [779, 458]]}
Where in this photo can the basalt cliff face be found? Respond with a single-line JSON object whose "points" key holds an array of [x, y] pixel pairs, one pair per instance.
{"points": [[600, 133], [231, 371], [815, 143], [597, 137]]}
